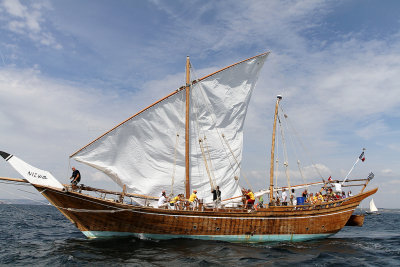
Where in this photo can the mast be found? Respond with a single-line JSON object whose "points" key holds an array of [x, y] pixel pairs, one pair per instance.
{"points": [[187, 170], [271, 173]]}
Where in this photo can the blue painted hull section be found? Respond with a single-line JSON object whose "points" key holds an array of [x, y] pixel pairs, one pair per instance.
{"points": [[227, 238]]}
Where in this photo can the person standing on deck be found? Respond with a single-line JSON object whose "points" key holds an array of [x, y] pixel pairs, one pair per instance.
{"points": [[293, 200], [261, 201], [250, 200], [216, 197], [193, 199], [305, 194], [75, 177], [284, 198]]}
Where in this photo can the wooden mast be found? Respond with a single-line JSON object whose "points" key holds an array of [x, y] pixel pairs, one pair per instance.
{"points": [[187, 170], [271, 173]]}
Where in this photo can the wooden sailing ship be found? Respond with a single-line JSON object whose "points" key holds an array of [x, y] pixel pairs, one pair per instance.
{"points": [[176, 144]]}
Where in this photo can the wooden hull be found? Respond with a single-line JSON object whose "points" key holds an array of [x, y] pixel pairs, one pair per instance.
{"points": [[97, 217], [356, 220]]}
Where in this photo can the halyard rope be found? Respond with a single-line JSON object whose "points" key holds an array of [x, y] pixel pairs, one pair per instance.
{"points": [[205, 163], [286, 159], [174, 167], [234, 157], [304, 147]]}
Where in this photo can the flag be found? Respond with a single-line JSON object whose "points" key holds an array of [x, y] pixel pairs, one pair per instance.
{"points": [[362, 157]]}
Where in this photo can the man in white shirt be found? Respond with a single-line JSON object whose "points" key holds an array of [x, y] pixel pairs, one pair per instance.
{"points": [[162, 201], [284, 198]]}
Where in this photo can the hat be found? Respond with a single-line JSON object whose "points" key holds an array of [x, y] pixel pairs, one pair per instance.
{"points": [[195, 191]]}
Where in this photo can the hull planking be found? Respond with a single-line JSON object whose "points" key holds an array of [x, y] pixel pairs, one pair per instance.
{"points": [[101, 218]]}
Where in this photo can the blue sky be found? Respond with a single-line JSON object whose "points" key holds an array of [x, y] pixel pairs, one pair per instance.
{"points": [[70, 70]]}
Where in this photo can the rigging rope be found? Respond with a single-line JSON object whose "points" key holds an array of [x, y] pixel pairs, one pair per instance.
{"points": [[304, 148], [178, 129], [211, 166], [205, 163], [285, 116], [276, 173], [301, 172], [233, 155], [97, 211], [286, 163], [197, 130], [174, 167]]}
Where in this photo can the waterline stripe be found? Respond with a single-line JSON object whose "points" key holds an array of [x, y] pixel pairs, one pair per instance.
{"points": [[229, 238]]}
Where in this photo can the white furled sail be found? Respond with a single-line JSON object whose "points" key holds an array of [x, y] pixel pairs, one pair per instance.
{"points": [[147, 151], [30, 173], [372, 207]]}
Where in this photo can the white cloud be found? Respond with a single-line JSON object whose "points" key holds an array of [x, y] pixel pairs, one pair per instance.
{"points": [[27, 20], [14, 8], [41, 113], [376, 128], [333, 92], [388, 172], [30, 99]]}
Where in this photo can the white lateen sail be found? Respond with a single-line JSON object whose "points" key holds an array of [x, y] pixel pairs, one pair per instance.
{"points": [[147, 151], [372, 207]]}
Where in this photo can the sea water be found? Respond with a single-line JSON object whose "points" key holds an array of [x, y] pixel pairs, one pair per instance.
{"points": [[42, 236]]}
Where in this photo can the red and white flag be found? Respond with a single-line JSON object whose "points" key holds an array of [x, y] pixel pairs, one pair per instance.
{"points": [[362, 157]]}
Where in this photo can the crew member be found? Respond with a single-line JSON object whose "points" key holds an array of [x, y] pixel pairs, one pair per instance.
{"points": [[193, 199], [163, 201], [250, 200], [216, 197], [75, 177]]}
